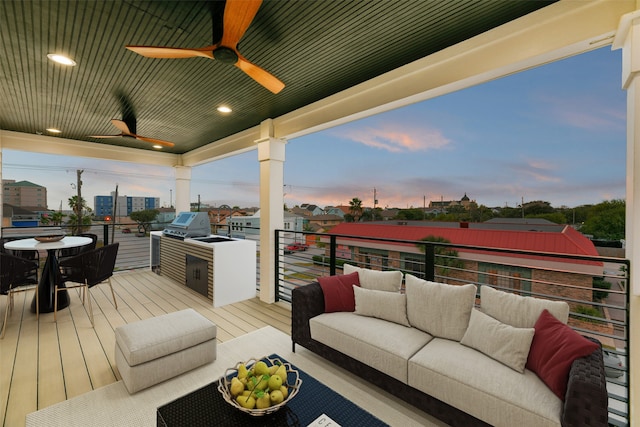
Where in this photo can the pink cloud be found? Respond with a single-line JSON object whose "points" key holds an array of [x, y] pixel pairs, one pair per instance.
{"points": [[396, 138]]}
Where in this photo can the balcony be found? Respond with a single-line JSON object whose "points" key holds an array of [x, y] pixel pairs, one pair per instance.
{"points": [[44, 357]]}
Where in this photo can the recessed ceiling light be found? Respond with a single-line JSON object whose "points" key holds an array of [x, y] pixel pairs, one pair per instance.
{"points": [[157, 147], [61, 59], [54, 130], [224, 109]]}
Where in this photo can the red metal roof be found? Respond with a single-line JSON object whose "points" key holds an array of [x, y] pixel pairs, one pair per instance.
{"points": [[568, 241]]}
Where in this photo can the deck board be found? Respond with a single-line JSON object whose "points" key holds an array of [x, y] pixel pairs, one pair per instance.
{"points": [[44, 362]]}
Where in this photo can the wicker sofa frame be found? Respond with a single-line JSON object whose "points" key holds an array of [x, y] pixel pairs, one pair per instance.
{"points": [[585, 402]]}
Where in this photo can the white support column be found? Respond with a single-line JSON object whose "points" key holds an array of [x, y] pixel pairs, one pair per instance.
{"points": [[183, 188], [628, 38], [271, 157]]}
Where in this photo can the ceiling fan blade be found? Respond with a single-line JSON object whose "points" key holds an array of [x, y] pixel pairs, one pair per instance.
{"points": [[260, 75], [121, 125], [238, 15], [154, 141], [172, 52]]}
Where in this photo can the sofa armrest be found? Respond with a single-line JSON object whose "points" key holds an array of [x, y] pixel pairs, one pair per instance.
{"points": [[586, 401], [306, 302]]}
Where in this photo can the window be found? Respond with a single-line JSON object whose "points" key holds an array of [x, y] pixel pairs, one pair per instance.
{"points": [[505, 277]]}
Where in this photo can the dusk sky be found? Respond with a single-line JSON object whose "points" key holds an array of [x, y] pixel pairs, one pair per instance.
{"points": [[555, 133]]}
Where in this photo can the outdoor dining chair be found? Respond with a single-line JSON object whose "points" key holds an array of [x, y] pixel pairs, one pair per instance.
{"points": [[15, 276], [32, 256], [85, 271], [71, 252]]}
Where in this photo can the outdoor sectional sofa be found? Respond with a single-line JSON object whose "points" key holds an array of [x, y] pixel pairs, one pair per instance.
{"points": [[466, 366]]}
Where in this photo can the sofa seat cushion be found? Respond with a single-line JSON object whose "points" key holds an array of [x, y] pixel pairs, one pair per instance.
{"points": [[483, 387], [383, 345]]}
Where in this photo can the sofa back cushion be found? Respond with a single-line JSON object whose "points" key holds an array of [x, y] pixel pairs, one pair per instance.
{"points": [[439, 309], [390, 306], [390, 281], [518, 311], [504, 343], [338, 292]]}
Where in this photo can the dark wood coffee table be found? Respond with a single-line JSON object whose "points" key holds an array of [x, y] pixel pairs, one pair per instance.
{"points": [[206, 407]]}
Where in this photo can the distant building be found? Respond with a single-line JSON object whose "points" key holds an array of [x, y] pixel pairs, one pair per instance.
{"points": [[15, 216], [307, 210], [334, 210], [445, 204], [524, 273], [104, 205], [248, 227], [326, 221], [24, 194]]}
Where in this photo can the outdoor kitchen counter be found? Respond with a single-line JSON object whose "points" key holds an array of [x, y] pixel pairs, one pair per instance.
{"points": [[220, 268]]}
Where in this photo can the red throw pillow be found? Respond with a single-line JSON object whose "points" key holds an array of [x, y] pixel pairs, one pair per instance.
{"points": [[554, 348], [338, 292]]}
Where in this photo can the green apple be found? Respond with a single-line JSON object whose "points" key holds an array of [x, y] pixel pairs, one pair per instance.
{"points": [[276, 397], [275, 382]]}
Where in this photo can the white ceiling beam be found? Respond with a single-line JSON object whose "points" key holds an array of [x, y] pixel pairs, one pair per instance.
{"points": [[70, 147]]}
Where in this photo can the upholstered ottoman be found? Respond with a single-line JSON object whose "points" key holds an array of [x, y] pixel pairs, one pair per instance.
{"points": [[153, 350]]}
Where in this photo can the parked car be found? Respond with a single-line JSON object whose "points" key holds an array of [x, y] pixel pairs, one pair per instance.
{"points": [[295, 247], [126, 230], [612, 364]]}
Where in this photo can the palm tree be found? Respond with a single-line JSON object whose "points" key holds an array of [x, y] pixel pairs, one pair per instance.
{"points": [[355, 207]]}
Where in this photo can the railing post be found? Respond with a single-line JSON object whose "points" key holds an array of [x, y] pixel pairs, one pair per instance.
{"points": [[105, 232], [332, 256], [429, 262]]}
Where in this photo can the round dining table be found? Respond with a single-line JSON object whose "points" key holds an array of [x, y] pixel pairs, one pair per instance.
{"points": [[50, 276]]}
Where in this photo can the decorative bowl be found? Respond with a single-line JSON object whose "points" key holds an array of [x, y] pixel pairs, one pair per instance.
{"points": [[293, 383], [49, 239]]}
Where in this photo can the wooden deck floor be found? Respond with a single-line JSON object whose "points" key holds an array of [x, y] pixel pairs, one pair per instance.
{"points": [[43, 362]]}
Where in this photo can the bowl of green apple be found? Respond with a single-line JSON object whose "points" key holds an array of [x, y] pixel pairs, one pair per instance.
{"points": [[260, 386]]}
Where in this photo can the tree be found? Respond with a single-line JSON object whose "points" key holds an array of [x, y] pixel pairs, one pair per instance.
{"points": [[606, 220], [445, 256], [355, 208], [80, 210], [57, 217], [144, 219]]}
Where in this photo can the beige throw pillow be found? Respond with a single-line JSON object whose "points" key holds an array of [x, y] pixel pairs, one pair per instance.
{"points": [[390, 281], [439, 309], [391, 306], [519, 311], [506, 344]]}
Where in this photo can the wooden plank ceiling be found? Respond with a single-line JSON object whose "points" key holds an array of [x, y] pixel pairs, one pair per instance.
{"points": [[317, 48]]}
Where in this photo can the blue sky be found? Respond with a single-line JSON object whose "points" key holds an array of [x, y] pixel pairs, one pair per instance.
{"points": [[555, 133]]}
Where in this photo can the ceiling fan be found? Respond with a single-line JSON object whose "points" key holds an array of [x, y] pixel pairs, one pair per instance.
{"points": [[238, 15], [127, 125]]}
